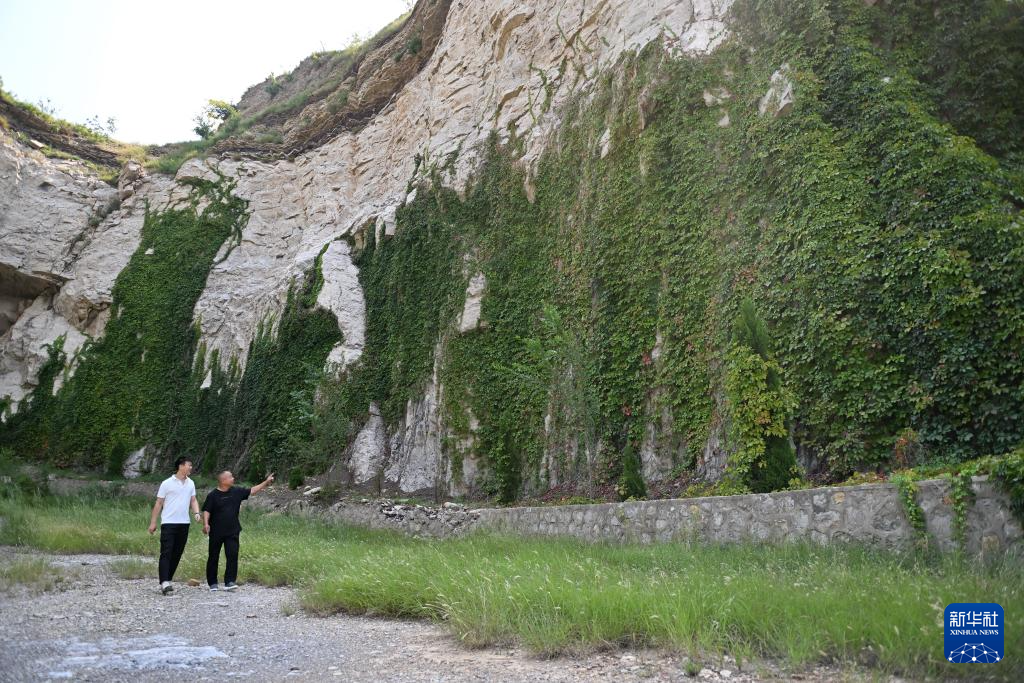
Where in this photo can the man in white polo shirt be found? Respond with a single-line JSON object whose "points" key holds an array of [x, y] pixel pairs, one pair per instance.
{"points": [[177, 493]]}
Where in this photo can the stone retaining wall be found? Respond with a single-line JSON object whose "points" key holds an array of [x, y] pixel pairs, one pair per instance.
{"points": [[414, 520], [872, 514]]}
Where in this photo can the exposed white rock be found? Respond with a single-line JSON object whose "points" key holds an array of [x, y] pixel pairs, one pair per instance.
{"points": [[57, 262], [715, 96], [470, 317], [24, 348], [251, 283], [780, 98], [606, 142], [415, 449], [45, 205], [484, 75], [342, 295], [369, 449], [136, 464], [126, 180]]}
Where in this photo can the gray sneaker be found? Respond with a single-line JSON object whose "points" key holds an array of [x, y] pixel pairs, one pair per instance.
{"points": [[166, 587], [214, 587], [230, 586]]}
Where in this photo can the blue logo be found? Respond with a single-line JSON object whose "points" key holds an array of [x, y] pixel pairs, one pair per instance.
{"points": [[974, 633]]}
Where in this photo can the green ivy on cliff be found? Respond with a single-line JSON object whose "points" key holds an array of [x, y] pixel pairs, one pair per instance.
{"points": [[969, 58], [882, 249], [126, 387], [874, 226], [272, 405]]}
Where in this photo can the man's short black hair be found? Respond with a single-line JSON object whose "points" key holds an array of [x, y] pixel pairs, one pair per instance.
{"points": [[181, 461]]}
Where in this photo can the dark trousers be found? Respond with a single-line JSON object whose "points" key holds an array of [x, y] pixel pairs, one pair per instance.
{"points": [[230, 544], [173, 538]]}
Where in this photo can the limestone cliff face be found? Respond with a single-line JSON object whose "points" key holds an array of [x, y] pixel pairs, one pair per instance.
{"points": [[492, 66], [64, 237], [583, 196]]}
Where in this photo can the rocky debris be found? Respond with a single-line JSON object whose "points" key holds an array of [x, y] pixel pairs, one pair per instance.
{"points": [[414, 519], [423, 520], [780, 98], [312, 490]]}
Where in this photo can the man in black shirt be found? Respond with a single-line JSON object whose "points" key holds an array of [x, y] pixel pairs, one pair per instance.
{"points": [[220, 522]]}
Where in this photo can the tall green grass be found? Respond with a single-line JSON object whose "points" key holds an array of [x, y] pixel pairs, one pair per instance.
{"points": [[797, 603]]}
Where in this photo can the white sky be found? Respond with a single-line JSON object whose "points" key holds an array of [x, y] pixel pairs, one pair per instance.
{"points": [[153, 64]]}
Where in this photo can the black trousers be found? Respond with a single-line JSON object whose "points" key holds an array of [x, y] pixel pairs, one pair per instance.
{"points": [[173, 538], [230, 545]]}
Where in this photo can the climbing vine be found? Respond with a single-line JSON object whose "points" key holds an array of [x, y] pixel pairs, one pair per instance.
{"points": [[127, 386], [875, 222], [272, 409], [856, 221], [961, 491], [907, 488]]}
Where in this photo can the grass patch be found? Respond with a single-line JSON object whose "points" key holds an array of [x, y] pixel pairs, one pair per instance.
{"points": [[33, 574], [133, 568], [800, 604]]}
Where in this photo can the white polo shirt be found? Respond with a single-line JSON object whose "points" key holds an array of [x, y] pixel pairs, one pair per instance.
{"points": [[177, 494]]}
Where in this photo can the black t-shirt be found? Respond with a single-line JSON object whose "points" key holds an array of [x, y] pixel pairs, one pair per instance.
{"points": [[223, 507]]}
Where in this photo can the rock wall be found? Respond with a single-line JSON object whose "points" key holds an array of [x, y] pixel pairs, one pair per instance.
{"points": [[493, 65], [64, 237], [868, 514], [871, 514], [640, 166]]}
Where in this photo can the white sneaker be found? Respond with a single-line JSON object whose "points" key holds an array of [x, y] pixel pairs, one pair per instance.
{"points": [[214, 587], [166, 587]]}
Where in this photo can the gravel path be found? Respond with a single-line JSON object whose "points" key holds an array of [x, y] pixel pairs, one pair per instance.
{"points": [[98, 627]]}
